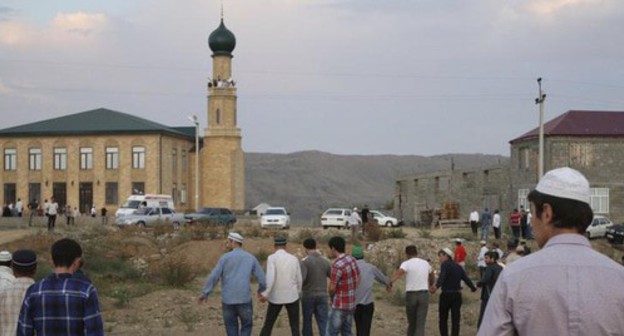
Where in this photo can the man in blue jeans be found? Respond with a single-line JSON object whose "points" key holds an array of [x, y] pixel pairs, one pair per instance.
{"points": [[234, 269], [314, 271], [344, 279]]}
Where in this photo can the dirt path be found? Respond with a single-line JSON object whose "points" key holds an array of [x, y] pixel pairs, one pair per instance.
{"points": [[13, 235]]}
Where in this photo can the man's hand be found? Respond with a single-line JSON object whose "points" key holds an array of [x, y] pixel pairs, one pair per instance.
{"points": [[473, 289], [202, 299], [432, 289], [261, 298]]}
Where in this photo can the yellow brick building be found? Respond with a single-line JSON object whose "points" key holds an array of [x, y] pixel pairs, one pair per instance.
{"points": [[100, 157]]}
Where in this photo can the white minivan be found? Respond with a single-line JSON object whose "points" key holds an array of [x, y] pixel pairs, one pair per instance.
{"points": [[148, 200]]}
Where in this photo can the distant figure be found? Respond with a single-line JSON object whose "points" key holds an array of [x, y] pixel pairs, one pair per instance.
{"points": [[365, 218], [486, 222], [481, 259], [488, 280], [53, 208], [64, 302], [474, 221], [523, 223], [93, 212], [514, 222], [496, 224], [19, 206], [104, 216], [33, 207], [354, 224], [460, 253], [69, 214], [24, 266]]}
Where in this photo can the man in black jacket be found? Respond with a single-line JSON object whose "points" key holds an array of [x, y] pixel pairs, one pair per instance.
{"points": [[451, 275], [488, 281]]}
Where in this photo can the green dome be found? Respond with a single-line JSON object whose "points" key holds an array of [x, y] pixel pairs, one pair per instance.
{"points": [[222, 41]]}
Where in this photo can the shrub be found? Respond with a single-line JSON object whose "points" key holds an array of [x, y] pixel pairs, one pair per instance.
{"points": [[122, 299], [189, 317], [176, 272], [373, 231], [262, 255], [395, 233], [425, 233]]}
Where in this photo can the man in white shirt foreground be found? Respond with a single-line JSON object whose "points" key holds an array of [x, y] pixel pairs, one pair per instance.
{"points": [[566, 288], [283, 277], [419, 278]]}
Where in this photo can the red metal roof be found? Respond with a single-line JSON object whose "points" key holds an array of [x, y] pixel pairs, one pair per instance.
{"points": [[581, 123]]}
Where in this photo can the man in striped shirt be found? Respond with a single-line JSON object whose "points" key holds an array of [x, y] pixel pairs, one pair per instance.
{"points": [[345, 277], [63, 303]]}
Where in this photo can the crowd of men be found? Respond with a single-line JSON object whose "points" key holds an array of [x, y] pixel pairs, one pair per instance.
{"points": [[565, 288]]}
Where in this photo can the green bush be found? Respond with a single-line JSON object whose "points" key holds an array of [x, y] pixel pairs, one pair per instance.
{"points": [[189, 317], [395, 234], [176, 272], [121, 296]]}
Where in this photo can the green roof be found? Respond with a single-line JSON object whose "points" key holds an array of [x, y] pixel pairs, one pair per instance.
{"points": [[98, 121]]}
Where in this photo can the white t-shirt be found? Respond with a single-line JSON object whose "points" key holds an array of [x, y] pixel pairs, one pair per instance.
{"points": [[474, 216], [417, 274], [53, 209], [496, 221]]}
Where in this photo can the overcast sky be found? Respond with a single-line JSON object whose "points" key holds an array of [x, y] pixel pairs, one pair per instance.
{"points": [[420, 77]]}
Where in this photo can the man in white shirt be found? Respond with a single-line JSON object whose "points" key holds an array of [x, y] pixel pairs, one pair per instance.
{"points": [[354, 223], [474, 221], [52, 212], [481, 259], [20, 207], [496, 224], [284, 281], [419, 278]]}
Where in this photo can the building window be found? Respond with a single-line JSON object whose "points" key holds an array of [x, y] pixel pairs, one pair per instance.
{"points": [[34, 159], [524, 158], [34, 193], [185, 162], [522, 198], [581, 155], [138, 157], [218, 117], [174, 161], [60, 158], [174, 192], [59, 191], [86, 158], [183, 194], [112, 159], [10, 159], [10, 191], [112, 193], [138, 188], [599, 200]]}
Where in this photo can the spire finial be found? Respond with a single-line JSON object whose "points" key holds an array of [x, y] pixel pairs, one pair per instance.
{"points": [[221, 10]]}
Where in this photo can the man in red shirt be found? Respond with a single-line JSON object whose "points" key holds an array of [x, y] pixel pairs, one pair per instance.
{"points": [[345, 277], [460, 253], [514, 222]]}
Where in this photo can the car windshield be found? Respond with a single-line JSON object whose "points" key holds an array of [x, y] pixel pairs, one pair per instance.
{"points": [[206, 210], [130, 204], [275, 212]]}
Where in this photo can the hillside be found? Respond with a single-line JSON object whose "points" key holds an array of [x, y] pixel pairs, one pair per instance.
{"points": [[309, 182]]}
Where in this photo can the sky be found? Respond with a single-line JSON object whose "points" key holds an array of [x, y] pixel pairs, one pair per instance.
{"points": [[342, 76]]}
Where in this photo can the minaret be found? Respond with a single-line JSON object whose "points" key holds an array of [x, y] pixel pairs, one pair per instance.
{"points": [[223, 162]]}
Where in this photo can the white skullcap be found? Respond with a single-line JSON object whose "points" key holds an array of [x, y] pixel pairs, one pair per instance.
{"points": [[233, 236], [5, 256], [565, 183], [448, 252]]}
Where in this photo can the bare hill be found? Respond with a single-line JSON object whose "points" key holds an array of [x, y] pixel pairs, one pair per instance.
{"points": [[308, 182]]}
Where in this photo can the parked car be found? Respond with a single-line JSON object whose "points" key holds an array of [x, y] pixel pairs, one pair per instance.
{"points": [[384, 220], [335, 217], [615, 234], [150, 216], [275, 217], [598, 227], [211, 215]]}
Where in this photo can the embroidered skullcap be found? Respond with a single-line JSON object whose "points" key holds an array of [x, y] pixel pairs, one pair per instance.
{"points": [[565, 183], [24, 259], [447, 251], [279, 240], [233, 236]]}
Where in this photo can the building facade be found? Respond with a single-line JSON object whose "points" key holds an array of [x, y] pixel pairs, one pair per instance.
{"points": [[590, 141], [100, 157]]}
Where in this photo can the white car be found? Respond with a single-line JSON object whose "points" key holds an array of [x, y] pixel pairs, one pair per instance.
{"points": [[384, 220], [335, 217], [598, 227], [275, 217], [143, 217]]}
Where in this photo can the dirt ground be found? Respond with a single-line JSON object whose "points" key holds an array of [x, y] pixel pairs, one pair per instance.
{"points": [[167, 311]]}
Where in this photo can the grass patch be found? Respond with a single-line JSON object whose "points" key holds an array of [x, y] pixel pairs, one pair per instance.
{"points": [[175, 272], [395, 234], [189, 317]]}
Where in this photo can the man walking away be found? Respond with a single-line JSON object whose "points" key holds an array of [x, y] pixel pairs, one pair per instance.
{"points": [[24, 266], [345, 277], [283, 282], [496, 224], [488, 280], [314, 272], [418, 279], [514, 222], [474, 221], [63, 303], [486, 222], [365, 306], [354, 224], [235, 269], [566, 288], [449, 280], [481, 259], [52, 213]]}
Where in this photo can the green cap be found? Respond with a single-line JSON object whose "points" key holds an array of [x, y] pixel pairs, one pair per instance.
{"points": [[357, 252]]}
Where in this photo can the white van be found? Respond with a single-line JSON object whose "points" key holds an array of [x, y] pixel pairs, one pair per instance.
{"points": [[149, 200]]}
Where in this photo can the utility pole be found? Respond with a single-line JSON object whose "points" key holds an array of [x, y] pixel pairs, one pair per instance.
{"points": [[540, 100], [195, 121]]}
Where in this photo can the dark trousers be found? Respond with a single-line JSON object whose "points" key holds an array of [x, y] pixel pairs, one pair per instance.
{"points": [[515, 230], [51, 222], [474, 226], [497, 233], [273, 312], [450, 301], [483, 305], [364, 318]]}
